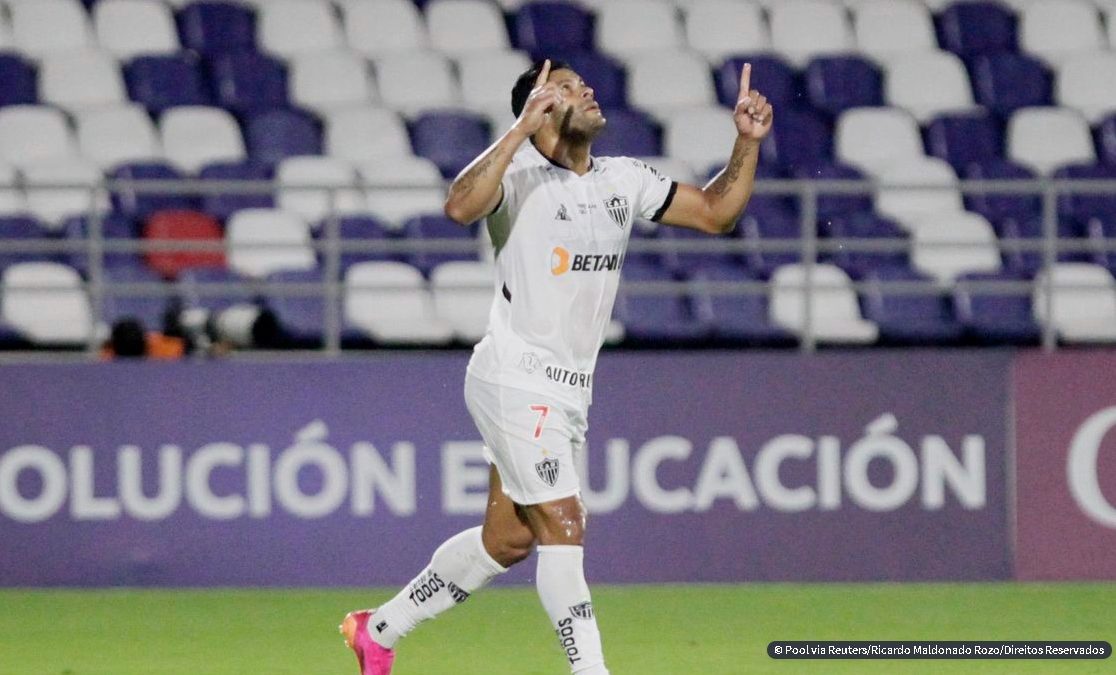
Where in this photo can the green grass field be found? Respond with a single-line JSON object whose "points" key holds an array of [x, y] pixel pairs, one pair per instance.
{"points": [[648, 630]]}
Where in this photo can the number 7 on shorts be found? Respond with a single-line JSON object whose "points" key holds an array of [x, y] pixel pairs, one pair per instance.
{"points": [[543, 411]]}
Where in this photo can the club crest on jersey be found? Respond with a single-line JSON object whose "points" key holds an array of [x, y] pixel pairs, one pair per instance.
{"points": [[617, 207], [548, 471], [583, 610]]}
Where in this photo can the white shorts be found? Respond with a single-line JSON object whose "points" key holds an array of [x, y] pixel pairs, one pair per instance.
{"points": [[533, 440]]}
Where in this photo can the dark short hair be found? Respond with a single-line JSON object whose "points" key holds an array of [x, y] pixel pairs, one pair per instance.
{"points": [[526, 82]]}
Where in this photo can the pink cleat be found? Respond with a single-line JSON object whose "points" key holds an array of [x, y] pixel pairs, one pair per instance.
{"points": [[373, 658]]}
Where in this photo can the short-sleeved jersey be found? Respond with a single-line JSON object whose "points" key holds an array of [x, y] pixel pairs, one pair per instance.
{"points": [[560, 241]]}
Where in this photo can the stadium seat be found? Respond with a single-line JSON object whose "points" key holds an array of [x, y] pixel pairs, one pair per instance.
{"points": [[461, 243], [458, 27], [965, 139], [1083, 207], [49, 26], [46, 303], [1022, 241], [804, 29], [994, 316], [130, 28], [486, 79], [604, 74], [980, 27], [366, 133], [1106, 140], [907, 318], [11, 199], [737, 317], [325, 81], [118, 304], [779, 81], [717, 29], [1005, 83], [449, 139], [1083, 302], [653, 318], [262, 241], [118, 231], [548, 27], [996, 206], [213, 289], [871, 138], [274, 135], [911, 188], [223, 204], [946, 245], [314, 205], [1056, 29], [376, 28], [410, 83], [289, 27], [301, 315], [180, 226], [1047, 138], [701, 136], [463, 293], [662, 81], [138, 203], [402, 188], [20, 228], [358, 233], [1088, 83], [60, 188], [79, 80], [890, 28], [247, 82], [31, 133], [837, 83], [117, 134], [629, 133], [832, 205], [803, 138], [626, 28], [193, 136], [836, 313], [857, 259], [772, 225], [161, 82], [389, 302], [928, 84], [18, 81], [211, 28]]}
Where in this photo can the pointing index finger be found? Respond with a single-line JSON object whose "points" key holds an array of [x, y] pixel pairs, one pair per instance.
{"points": [[544, 74], [746, 80]]}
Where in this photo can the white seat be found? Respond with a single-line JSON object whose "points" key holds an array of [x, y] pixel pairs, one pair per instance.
{"points": [[110, 136], [946, 245], [669, 79], [262, 241], [1088, 83], [403, 187], [60, 188], [872, 137], [701, 136], [1047, 138], [459, 27], [804, 29], [463, 292], [47, 26], [885, 28], [81, 79], [913, 187], [836, 313], [129, 28], [330, 80], [1084, 302], [289, 27], [314, 205], [1056, 29], [414, 82], [719, 28], [6, 40], [486, 77], [390, 303], [46, 303], [365, 133], [31, 133], [193, 136], [376, 27], [1109, 8], [11, 199], [630, 27], [928, 84]]}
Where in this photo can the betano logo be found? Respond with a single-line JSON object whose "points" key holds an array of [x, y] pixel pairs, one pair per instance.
{"points": [[559, 261], [562, 261]]}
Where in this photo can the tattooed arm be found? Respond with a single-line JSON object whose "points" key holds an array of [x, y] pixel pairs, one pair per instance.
{"points": [[715, 207]]}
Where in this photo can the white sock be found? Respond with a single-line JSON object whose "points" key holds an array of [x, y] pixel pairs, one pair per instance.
{"points": [[458, 568], [565, 596]]}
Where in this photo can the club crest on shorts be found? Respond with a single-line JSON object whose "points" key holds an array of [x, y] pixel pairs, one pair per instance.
{"points": [[548, 471], [583, 610], [617, 207]]}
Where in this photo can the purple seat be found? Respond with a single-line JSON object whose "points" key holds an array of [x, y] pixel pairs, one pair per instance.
{"points": [[996, 206], [116, 228], [217, 27], [119, 303], [971, 28], [247, 82], [221, 205], [775, 76], [603, 73], [362, 229], [1082, 207], [738, 317], [835, 84], [1106, 140], [909, 318], [833, 205], [301, 314], [656, 318], [450, 139], [800, 138], [860, 261], [277, 134], [774, 227], [544, 28], [138, 204], [629, 133], [1021, 241], [24, 229], [462, 244], [18, 80], [161, 82], [992, 315], [965, 138], [216, 288], [675, 255], [1006, 82]]}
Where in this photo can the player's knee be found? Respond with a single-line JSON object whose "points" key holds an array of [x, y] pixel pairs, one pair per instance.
{"points": [[559, 522], [508, 550]]}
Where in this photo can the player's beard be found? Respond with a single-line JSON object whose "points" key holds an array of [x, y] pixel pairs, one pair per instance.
{"points": [[581, 128]]}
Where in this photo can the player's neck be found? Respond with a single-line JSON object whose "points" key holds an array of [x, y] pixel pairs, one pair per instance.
{"points": [[571, 154]]}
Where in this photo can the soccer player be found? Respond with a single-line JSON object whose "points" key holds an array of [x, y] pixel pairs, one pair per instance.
{"points": [[560, 220]]}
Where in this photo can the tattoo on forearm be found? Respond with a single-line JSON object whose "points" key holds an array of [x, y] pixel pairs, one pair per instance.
{"points": [[469, 180], [731, 173]]}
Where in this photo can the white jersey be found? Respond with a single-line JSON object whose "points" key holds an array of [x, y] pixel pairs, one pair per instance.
{"points": [[560, 240]]}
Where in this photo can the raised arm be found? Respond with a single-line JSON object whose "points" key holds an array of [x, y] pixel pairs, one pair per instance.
{"points": [[716, 207], [476, 191]]}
